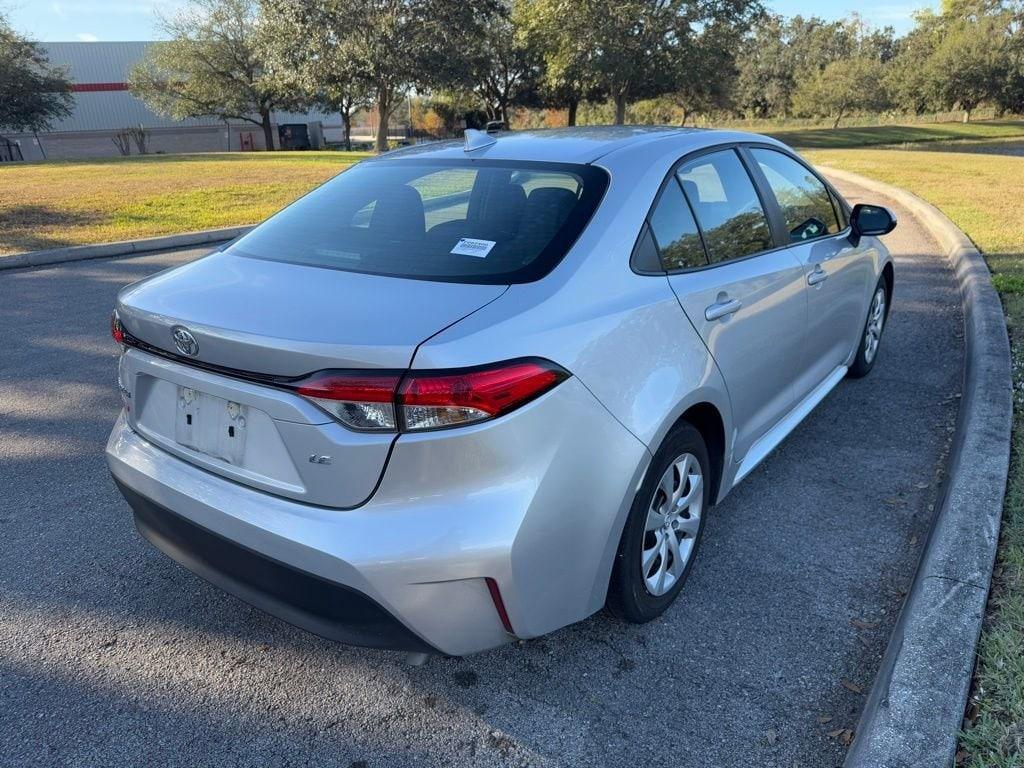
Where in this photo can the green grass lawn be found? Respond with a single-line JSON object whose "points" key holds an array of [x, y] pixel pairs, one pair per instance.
{"points": [[982, 193], [876, 135], [54, 204]]}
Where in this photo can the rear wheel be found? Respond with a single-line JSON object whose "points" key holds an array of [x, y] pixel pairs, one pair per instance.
{"points": [[663, 530], [871, 338]]}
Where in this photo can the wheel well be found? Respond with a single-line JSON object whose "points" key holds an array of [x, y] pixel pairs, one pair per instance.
{"points": [[708, 421], [889, 274]]}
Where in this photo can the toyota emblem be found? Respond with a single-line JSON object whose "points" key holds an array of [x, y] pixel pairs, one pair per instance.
{"points": [[185, 341]]}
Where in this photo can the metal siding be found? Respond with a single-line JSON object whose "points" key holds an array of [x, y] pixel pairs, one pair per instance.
{"points": [[111, 110]]}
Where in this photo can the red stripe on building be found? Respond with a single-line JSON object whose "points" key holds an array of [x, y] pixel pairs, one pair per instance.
{"points": [[93, 87]]}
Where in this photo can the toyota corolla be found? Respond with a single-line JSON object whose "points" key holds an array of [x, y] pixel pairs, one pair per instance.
{"points": [[469, 392]]}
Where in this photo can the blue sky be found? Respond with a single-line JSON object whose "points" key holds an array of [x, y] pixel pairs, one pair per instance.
{"points": [[89, 20]]}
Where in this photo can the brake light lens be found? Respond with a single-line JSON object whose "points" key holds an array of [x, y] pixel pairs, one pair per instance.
{"points": [[451, 399], [424, 400]]}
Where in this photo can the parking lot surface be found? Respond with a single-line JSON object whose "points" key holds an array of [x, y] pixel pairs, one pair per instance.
{"points": [[110, 654]]}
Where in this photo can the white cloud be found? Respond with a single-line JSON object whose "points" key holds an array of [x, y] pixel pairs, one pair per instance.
{"points": [[87, 37]]}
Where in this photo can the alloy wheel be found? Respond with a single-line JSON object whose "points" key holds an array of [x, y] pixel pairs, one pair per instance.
{"points": [[876, 319], [673, 522]]}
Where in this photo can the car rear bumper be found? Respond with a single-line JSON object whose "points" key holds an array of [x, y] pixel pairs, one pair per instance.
{"points": [[327, 609], [534, 501]]}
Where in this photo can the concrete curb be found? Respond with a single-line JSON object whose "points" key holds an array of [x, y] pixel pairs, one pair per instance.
{"points": [[125, 248], [916, 705]]}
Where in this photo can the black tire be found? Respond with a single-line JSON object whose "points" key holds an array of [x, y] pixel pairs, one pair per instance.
{"points": [[629, 598], [862, 361]]}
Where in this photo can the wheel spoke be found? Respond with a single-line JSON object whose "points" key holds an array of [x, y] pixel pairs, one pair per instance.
{"points": [[688, 525], [663, 566], [650, 555], [696, 491], [678, 561], [655, 520]]}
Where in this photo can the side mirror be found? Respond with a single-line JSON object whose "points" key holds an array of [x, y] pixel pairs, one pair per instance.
{"points": [[873, 220]]}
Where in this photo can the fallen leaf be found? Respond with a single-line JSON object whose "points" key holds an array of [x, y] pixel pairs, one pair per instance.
{"points": [[913, 541], [861, 624], [922, 486], [836, 733], [846, 737], [824, 719], [961, 757], [852, 686], [772, 737]]}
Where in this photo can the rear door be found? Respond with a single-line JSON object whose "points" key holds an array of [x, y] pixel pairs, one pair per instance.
{"points": [[747, 298], [836, 273]]}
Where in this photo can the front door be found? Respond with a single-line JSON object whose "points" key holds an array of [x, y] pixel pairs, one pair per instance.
{"points": [[837, 274]]}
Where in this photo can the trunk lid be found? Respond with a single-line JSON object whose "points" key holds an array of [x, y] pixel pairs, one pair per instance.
{"points": [[283, 319], [276, 320]]}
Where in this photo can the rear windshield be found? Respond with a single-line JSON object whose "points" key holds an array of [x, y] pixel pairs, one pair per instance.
{"points": [[471, 221]]}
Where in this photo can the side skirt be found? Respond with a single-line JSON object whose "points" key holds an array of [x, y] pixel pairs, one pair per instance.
{"points": [[771, 439]]}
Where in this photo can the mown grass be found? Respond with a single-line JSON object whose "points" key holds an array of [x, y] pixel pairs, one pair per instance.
{"points": [[982, 194], [877, 135], [54, 204]]}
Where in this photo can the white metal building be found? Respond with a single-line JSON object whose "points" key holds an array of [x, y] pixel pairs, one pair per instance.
{"points": [[104, 106]]}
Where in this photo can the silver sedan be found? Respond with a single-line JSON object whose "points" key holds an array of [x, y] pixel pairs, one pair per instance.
{"points": [[475, 391]]}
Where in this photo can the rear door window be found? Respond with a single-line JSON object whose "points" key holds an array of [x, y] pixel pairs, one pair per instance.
{"points": [[726, 205], [802, 197], [455, 220], [676, 232]]}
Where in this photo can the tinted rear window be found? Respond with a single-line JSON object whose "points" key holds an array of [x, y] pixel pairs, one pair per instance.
{"points": [[469, 221]]}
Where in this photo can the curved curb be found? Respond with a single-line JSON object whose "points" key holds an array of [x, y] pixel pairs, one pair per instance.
{"points": [[124, 248], [916, 706]]}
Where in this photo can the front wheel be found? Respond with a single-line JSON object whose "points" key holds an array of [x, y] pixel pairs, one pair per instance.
{"points": [[871, 338], [663, 529]]}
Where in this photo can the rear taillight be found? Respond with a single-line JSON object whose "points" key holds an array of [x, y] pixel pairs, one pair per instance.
{"points": [[450, 399], [363, 401], [425, 400], [115, 328]]}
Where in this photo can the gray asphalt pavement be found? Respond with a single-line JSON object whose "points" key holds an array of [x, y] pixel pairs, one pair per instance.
{"points": [[110, 654]]}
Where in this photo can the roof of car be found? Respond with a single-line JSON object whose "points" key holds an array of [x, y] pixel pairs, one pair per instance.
{"points": [[570, 145]]}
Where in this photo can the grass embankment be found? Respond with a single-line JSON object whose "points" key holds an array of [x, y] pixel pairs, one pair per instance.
{"points": [[982, 194], [54, 204]]}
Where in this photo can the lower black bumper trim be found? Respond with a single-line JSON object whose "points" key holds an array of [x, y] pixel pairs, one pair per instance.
{"points": [[303, 599]]}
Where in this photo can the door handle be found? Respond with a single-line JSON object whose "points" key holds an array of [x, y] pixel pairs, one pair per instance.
{"points": [[817, 277], [722, 309]]}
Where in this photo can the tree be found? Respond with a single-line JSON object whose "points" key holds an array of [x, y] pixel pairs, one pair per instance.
{"points": [[308, 49], [506, 64], [842, 87], [908, 77], [32, 93], [213, 65], [630, 49], [967, 66]]}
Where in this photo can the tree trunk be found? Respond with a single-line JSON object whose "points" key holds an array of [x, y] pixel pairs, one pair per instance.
{"points": [[967, 115], [682, 123], [504, 117], [268, 129], [346, 116], [384, 117], [620, 109], [839, 117], [573, 106]]}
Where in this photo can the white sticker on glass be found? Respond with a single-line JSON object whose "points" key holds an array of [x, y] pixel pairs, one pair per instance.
{"points": [[468, 246]]}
